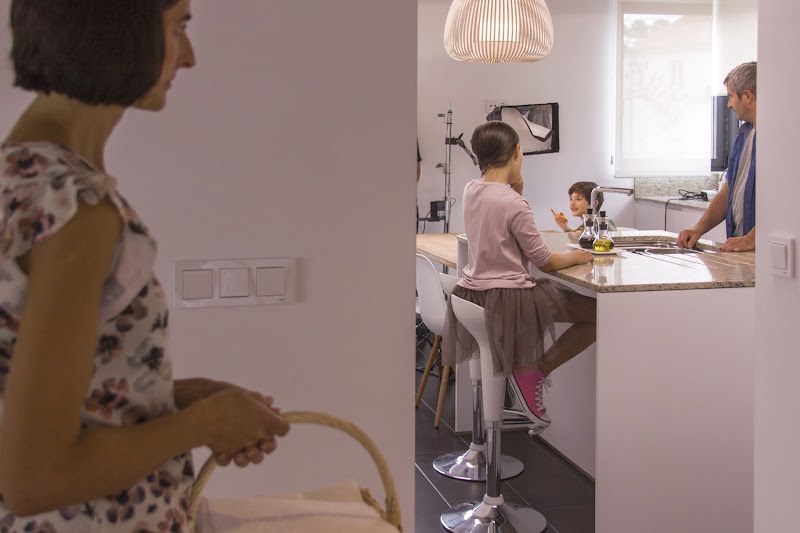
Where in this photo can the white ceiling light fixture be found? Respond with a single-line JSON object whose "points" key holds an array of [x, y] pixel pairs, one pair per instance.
{"points": [[498, 31]]}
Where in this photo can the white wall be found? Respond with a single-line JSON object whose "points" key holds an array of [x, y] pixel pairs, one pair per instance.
{"points": [[578, 74], [777, 408], [294, 136]]}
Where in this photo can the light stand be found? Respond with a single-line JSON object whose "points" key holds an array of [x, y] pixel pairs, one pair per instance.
{"points": [[449, 141]]}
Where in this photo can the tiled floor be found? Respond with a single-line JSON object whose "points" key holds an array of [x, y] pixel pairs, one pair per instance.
{"points": [[548, 484]]}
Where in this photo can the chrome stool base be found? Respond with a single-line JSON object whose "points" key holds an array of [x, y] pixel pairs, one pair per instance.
{"points": [[482, 517], [471, 465]]}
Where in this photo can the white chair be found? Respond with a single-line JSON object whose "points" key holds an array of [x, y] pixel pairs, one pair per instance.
{"points": [[433, 310], [493, 513]]}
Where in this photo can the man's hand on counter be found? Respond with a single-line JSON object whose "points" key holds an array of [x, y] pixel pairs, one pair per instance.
{"points": [[688, 238], [740, 244]]}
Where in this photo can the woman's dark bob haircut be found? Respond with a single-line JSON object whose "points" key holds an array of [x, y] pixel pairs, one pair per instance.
{"points": [[101, 52]]}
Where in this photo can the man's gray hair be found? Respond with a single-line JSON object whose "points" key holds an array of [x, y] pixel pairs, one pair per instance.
{"points": [[741, 79]]}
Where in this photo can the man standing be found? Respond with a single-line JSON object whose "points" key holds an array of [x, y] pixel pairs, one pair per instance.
{"points": [[736, 201]]}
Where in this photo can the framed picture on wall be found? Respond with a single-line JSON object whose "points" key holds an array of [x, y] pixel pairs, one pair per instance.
{"points": [[536, 124]]}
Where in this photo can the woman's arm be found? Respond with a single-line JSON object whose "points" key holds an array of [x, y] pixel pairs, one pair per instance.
{"points": [[47, 460]]}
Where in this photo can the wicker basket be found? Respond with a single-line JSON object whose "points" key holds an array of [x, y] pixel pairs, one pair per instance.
{"points": [[391, 512]]}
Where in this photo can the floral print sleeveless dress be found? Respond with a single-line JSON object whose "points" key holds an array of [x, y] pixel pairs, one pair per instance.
{"points": [[40, 184]]}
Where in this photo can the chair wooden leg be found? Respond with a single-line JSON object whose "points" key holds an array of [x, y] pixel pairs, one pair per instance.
{"points": [[442, 392], [428, 367]]}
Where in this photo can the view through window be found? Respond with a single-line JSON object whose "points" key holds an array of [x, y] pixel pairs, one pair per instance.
{"points": [[663, 124]]}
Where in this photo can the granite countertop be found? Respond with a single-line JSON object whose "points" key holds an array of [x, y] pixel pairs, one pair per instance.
{"points": [[674, 200], [630, 272]]}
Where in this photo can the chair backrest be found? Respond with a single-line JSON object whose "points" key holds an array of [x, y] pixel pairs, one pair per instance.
{"points": [[432, 304], [472, 318], [448, 282]]}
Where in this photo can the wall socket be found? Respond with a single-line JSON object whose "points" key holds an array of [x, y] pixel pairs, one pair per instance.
{"points": [[491, 103]]}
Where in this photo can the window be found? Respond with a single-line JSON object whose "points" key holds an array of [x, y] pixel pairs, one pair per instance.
{"points": [[663, 125]]}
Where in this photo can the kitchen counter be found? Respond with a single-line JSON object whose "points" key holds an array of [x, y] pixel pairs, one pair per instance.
{"points": [[630, 272], [659, 409]]}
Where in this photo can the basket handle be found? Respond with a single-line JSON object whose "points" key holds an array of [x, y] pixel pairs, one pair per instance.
{"points": [[392, 512]]}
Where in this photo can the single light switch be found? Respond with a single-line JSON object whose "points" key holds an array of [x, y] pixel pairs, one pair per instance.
{"points": [[271, 281], [234, 282], [781, 255], [198, 284]]}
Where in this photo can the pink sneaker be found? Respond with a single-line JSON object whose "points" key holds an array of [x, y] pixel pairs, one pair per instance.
{"points": [[530, 387]]}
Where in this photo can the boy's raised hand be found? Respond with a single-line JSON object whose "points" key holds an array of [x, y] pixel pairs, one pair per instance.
{"points": [[560, 219]]}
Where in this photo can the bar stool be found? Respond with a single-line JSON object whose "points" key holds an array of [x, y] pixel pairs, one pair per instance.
{"points": [[493, 514], [471, 464]]}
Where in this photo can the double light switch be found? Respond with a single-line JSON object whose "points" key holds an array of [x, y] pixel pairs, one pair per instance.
{"points": [[228, 282]]}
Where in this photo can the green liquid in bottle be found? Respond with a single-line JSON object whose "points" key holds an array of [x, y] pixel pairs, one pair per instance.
{"points": [[603, 245]]}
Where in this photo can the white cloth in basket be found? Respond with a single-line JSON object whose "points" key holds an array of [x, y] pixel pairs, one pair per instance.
{"points": [[336, 509]]}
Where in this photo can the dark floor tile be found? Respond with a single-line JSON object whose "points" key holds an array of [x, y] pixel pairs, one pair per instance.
{"points": [[568, 467], [429, 440], [577, 519], [546, 483], [429, 506]]}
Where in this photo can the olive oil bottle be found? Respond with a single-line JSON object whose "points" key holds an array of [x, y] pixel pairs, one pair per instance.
{"points": [[603, 241]]}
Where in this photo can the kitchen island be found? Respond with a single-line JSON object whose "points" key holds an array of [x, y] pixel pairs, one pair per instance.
{"points": [[659, 411]]}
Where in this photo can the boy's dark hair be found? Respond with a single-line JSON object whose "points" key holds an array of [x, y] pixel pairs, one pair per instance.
{"points": [[494, 143], [584, 188], [97, 51]]}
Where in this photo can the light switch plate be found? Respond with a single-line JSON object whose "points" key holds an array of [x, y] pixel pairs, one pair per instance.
{"points": [[233, 282], [782, 252]]}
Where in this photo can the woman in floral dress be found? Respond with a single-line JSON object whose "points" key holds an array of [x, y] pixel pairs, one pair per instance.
{"points": [[95, 434]]}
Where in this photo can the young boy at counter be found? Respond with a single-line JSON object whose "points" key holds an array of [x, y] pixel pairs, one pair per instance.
{"points": [[580, 195]]}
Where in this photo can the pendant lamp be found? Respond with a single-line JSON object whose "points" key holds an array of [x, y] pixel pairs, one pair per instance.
{"points": [[498, 31]]}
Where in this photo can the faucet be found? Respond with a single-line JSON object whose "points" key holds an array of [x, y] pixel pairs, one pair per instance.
{"points": [[620, 190]]}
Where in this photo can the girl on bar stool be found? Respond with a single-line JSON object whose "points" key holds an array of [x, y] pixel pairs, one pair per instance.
{"points": [[503, 242]]}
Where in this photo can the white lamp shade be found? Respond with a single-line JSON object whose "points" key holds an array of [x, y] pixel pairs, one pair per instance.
{"points": [[498, 31]]}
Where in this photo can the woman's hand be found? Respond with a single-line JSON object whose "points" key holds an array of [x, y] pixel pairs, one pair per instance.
{"points": [[561, 220], [243, 425]]}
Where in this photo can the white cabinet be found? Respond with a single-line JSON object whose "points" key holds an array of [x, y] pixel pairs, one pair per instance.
{"points": [[650, 215]]}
